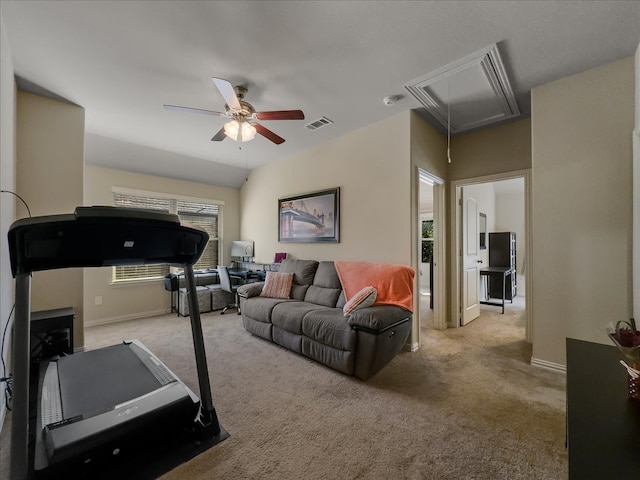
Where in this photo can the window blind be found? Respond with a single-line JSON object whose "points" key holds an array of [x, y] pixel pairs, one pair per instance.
{"points": [[201, 215]]}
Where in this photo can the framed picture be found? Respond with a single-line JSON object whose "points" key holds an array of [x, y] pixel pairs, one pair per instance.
{"points": [[312, 217]]}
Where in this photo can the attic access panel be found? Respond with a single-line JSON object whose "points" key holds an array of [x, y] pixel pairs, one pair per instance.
{"points": [[469, 93]]}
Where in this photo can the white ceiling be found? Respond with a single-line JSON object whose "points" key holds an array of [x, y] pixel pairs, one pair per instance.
{"points": [[122, 60]]}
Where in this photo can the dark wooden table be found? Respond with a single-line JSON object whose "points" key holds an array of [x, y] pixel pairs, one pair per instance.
{"points": [[500, 273], [603, 423]]}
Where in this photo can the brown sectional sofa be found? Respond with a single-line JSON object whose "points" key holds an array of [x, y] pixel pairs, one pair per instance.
{"points": [[312, 323]]}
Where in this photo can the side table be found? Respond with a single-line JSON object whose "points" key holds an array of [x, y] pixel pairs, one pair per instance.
{"points": [[603, 422]]}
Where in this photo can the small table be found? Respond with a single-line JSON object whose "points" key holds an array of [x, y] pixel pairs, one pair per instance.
{"points": [[603, 423], [501, 273]]}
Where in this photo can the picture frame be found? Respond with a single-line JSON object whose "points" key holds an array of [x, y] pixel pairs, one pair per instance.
{"points": [[310, 217]]}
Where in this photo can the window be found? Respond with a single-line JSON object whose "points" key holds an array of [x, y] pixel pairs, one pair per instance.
{"points": [[195, 212], [204, 217], [427, 241]]}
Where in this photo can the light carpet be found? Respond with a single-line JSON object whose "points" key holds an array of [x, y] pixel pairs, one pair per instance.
{"points": [[466, 405]]}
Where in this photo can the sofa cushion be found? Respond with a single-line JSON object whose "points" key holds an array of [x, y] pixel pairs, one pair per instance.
{"points": [[329, 327], [326, 297], [326, 286], [288, 315], [303, 273], [277, 285], [326, 276], [364, 298], [260, 308]]}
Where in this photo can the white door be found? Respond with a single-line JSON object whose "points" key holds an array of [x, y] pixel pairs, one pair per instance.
{"points": [[470, 261]]}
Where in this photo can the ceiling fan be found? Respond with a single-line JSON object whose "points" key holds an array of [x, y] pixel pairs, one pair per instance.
{"points": [[243, 124]]}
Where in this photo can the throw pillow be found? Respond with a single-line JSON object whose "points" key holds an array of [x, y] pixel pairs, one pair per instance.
{"points": [[277, 285], [364, 298]]}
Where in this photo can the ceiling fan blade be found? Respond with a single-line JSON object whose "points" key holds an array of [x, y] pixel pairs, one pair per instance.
{"points": [[268, 134], [227, 92], [218, 137], [281, 115], [194, 110]]}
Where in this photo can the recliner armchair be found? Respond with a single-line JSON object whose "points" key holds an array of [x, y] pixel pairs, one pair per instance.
{"points": [[225, 285]]}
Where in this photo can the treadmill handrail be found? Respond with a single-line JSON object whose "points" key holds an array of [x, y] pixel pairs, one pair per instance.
{"points": [[102, 236]]}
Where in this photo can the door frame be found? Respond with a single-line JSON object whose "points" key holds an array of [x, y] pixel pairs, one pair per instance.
{"points": [[455, 244], [439, 255]]}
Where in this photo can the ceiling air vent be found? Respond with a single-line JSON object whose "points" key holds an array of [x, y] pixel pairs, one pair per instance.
{"points": [[321, 122]]}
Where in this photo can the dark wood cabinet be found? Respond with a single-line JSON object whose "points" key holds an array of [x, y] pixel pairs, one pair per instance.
{"points": [[603, 422], [502, 253]]}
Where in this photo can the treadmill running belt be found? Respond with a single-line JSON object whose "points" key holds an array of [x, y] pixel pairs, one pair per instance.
{"points": [[98, 380]]}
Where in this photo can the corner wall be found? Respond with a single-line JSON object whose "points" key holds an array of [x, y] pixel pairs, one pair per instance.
{"points": [[49, 176], [582, 199], [501, 149]]}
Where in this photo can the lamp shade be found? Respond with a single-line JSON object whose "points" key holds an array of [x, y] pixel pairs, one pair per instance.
{"points": [[232, 128]]}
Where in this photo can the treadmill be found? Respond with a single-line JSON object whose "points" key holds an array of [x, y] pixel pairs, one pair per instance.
{"points": [[96, 408]]}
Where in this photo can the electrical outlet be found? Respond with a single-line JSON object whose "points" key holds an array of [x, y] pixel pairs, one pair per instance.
{"points": [[98, 300]]}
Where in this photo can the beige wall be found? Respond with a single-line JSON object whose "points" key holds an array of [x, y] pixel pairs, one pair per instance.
{"points": [[7, 201], [49, 176], [510, 217], [428, 148], [371, 167], [134, 300], [505, 148], [582, 197]]}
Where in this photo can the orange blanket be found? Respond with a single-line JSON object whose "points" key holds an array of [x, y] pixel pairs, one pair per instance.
{"points": [[393, 282]]}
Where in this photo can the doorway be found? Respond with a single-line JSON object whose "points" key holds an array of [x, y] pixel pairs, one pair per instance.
{"points": [[431, 252], [504, 201]]}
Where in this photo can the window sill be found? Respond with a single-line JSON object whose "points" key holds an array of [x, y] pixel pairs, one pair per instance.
{"points": [[136, 282]]}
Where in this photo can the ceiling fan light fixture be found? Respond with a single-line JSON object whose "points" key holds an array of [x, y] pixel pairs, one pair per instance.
{"points": [[232, 128]]}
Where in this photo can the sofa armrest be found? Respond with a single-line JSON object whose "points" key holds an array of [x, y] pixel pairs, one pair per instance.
{"points": [[377, 318], [249, 290]]}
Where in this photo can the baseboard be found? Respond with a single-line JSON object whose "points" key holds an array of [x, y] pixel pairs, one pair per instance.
{"points": [[411, 347], [556, 367], [124, 318]]}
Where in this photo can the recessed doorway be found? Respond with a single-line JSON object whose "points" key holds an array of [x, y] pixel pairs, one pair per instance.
{"points": [[431, 251], [504, 200]]}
